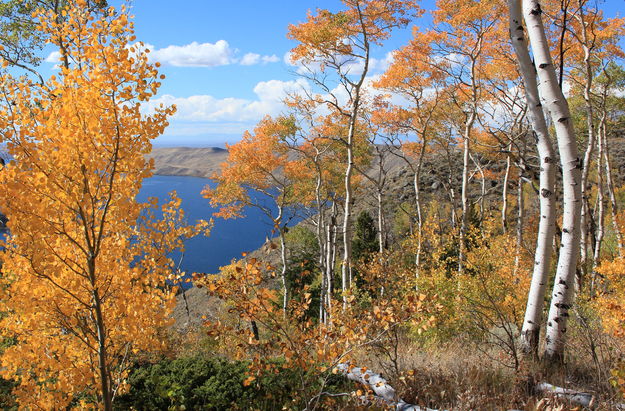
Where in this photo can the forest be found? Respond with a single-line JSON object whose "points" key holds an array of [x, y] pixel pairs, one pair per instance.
{"points": [[448, 235]]}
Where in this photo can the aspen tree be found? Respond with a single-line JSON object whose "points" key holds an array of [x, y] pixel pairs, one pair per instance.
{"points": [[85, 267], [259, 163], [546, 229], [564, 286]]}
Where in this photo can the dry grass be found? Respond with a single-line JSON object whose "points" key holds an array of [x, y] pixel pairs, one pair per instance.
{"points": [[457, 376]]}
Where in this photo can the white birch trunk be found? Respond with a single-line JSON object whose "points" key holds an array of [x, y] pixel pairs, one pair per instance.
{"points": [[504, 194], [285, 290], [379, 386], [329, 273], [603, 136], [519, 224], [321, 241], [465, 189], [346, 267], [480, 170], [381, 233], [546, 226], [584, 399], [600, 212], [587, 155], [611, 193], [564, 287], [331, 257], [417, 192]]}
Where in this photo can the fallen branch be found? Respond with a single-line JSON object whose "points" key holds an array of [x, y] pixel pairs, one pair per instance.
{"points": [[584, 399], [382, 390]]}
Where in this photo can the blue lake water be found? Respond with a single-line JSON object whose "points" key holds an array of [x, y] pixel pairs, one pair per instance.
{"points": [[228, 238]]}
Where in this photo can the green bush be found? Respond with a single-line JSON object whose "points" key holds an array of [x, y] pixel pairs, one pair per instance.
{"points": [[202, 384]]}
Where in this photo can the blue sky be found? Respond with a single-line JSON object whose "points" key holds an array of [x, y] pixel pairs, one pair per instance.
{"points": [[224, 60], [242, 86]]}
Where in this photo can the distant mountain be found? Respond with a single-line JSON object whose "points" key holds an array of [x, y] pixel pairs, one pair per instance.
{"points": [[187, 161]]}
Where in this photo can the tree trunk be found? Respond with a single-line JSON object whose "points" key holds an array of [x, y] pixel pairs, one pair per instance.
{"points": [[285, 297], [600, 212], [346, 267], [585, 215], [480, 169], [564, 287], [465, 189], [609, 182], [380, 223], [105, 374], [417, 192], [504, 194], [519, 224], [331, 257], [321, 242], [546, 226]]}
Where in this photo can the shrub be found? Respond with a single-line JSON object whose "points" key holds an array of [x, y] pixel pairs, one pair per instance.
{"points": [[195, 383]]}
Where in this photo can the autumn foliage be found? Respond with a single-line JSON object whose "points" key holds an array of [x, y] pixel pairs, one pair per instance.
{"points": [[85, 267], [436, 152]]}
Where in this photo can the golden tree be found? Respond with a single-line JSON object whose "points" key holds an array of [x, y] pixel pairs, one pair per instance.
{"points": [[85, 267], [259, 164]]}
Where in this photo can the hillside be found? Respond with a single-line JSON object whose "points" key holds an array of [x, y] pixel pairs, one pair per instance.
{"points": [[187, 161], [438, 171]]}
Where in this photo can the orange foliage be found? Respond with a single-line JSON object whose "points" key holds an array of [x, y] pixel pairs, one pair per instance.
{"points": [[296, 340], [257, 162], [326, 33], [84, 270]]}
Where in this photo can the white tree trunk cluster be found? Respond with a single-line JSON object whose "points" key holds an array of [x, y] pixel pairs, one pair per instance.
{"points": [[546, 228], [551, 94]]}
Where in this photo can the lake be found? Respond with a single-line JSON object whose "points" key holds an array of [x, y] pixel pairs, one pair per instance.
{"points": [[228, 238]]}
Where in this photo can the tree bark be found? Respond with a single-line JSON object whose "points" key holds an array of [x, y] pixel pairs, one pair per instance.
{"points": [[611, 193], [330, 256], [603, 136], [465, 188], [417, 192], [346, 269], [564, 287], [546, 227], [321, 242], [285, 290], [504, 194], [381, 232], [585, 214], [600, 212], [346, 266], [584, 399], [519, 224], [105, 372]]}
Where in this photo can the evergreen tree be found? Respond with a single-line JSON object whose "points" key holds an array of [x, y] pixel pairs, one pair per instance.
{"points": [[365, 239]]}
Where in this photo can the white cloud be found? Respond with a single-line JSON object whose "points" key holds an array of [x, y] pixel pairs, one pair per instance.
{"points": [[271, 59], [53, 57], [384, 63], [353, 68], [253, 58], [206, 108], [195, 55], [250, 59]]}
